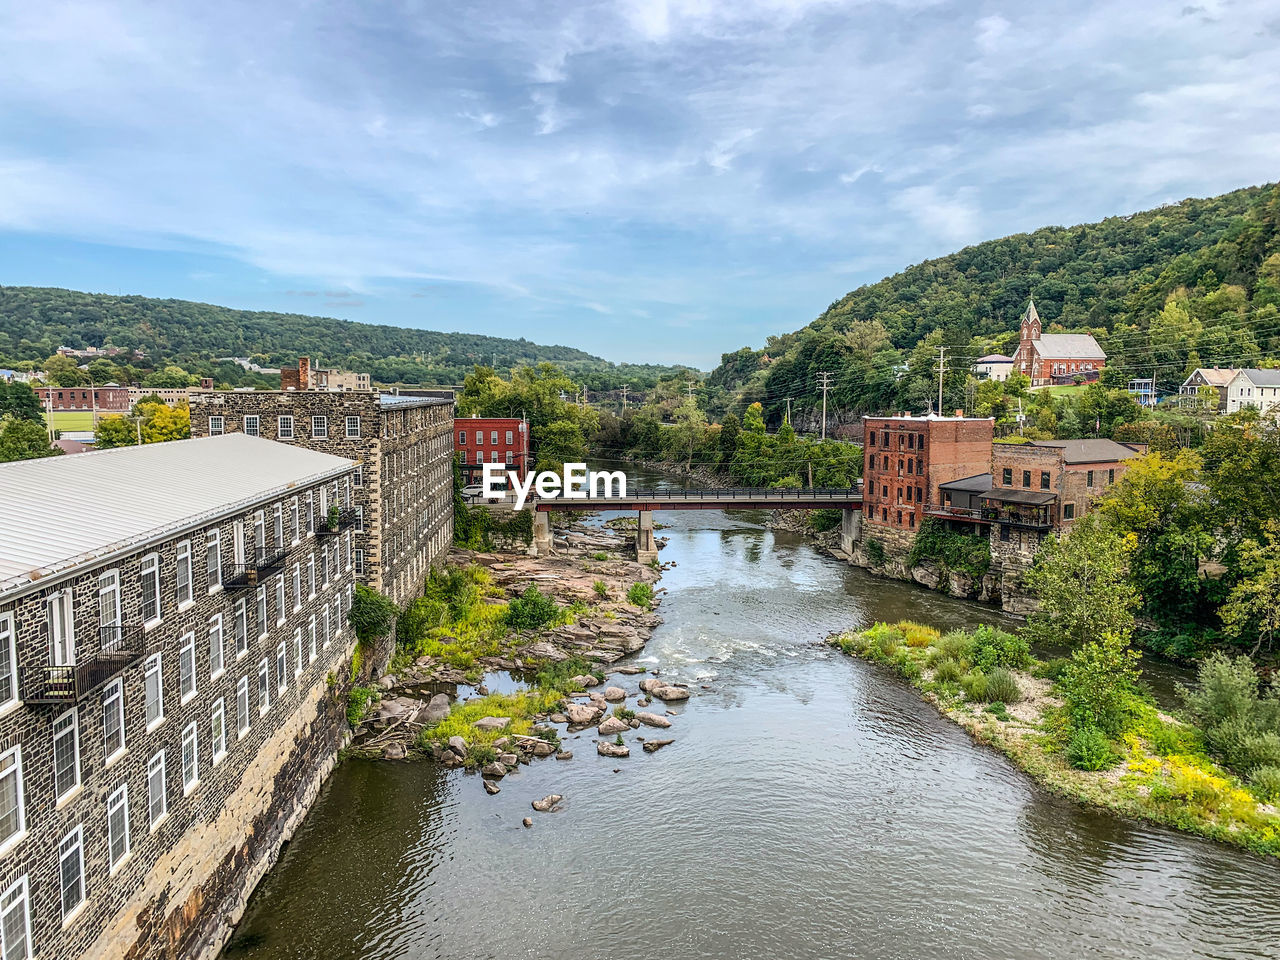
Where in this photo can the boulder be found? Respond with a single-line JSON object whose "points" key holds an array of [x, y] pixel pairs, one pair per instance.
{"points": [[501, 742], [653, 720], [436, 710], [653, 746], [558, 718], [612, 725], [671, 693], [581, 713], [490, 787], [508, 759], [547, 803], [927, 574], [615, 694], [607, 748], [527, 821], [458, 746], [545, 651], [494, 769], [393, 751], [584, 680], [649, 684], [543, 748], [564, 755], [492, 723], [631, 670], [387, 682]]}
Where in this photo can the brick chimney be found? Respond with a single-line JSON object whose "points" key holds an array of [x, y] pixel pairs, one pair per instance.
{"points": [[304, 373]]}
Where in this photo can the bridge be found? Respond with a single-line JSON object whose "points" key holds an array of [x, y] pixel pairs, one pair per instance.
{"points": [[644, 502]]}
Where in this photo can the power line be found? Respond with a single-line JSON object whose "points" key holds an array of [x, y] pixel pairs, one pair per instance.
{"points": [[824, 379]]}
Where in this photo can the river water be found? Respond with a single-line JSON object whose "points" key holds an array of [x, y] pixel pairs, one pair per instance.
{"points": [[812, 806]]}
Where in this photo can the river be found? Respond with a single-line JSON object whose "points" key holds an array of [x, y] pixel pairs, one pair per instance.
{"points": [[812, 806]]}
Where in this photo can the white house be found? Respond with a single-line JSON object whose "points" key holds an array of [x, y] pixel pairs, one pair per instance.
{"points": [[1254, 388], [994, 366]]}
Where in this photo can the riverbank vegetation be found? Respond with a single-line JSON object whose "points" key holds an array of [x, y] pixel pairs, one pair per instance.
{"points": [[1094, 733]]}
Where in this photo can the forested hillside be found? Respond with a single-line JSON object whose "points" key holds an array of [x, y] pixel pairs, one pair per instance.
{"points": [[35, 321], [1192, 283]]}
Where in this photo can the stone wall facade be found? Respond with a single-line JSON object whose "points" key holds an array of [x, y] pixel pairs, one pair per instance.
{"points": [[237, 762]]}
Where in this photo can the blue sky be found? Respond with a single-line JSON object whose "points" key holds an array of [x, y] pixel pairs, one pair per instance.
{"points": [[659, 180]]}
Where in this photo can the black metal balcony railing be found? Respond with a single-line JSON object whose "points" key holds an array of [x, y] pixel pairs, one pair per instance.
{"points": [[331, 526], [947, 510], [1024, 520], [266, 560], [119, 646]]}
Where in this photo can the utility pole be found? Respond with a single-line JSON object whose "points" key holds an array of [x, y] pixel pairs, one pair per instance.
{"points": [[824, 381], [625, 388], [789, 416], [689, 388], [942, 369]]}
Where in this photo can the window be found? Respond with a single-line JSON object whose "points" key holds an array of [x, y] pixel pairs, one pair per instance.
{"points": [[187, 668], [113, 720], [264, 686], [508, 436], [311, 513], [337, 616], [242, 706], [462, 438], [184, 572], [1044, 479], [15, 923], [1088, 478], [118, 825], [241, 627], [109, 607], [493, 436], [359, 563], [295, 519], [218, 730], [324, 624], [216, 662], [1111, 476], [1068, 511], [509, 457], [216, 426], [277, 524], [62, 632], [252, 425], [324, 566], [157, 794], [66, 754], [359, 519], [311, 575], [348, 546], [155, 692], [1007, 477], [311, 633], [13, 817], [71, 872], [479, 436], [320, 428], [297, 650], [213, 558], [260, 535], [284, 428], [150, 588], [1026, 478], [282, 665], [8, 661], [353, 428], [1004, 533], [281, 603], [190, 759], [359, 475], [297, 587], [262, 610], [871, 439]]}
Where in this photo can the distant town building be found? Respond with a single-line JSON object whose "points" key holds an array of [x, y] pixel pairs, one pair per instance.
{"points": [[246, 364], [304, 376], [92, 353], [403, 506], [1254, 388], [480, 440], [1143, 389], [108, 398], [174, 661], [994, 366], [1215, 378], [907, 459], [1055, 357], [169, 395]]}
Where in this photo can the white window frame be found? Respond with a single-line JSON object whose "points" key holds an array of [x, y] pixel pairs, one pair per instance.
{"points": [[256, 420], [217, 648], [74, 729], [182, 589], [213, 558], [9, 649], [359, 562], [155, 819], [337, 615], [319, 427], [359, 477], [186, 668], [154, 664], [76, 848], [151, 567], [311, 636], [243, 719], [311, 576], [14, 769], [277, 523], [190, 772], [264, 687], [325, 625], [282, 667], [60, 617], [218, 730], [297, 587], [217, 425], [241, 626], [119, 798], [108, 602], [282, 602], [359, 519], [297, 646], [9, 900], [295, 515], [260, 610], [353, 428], [113, 691], [311, 513], [284, 427]]}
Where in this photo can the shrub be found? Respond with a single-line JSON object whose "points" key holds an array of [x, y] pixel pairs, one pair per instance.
{"points": [[993, 647], [601, 589], [1265, 784], [1240, 727], [974, 685], [531, 610], [917, 634], [1051, 669], [949, 672], [622, 713], [371, 614], [640, 595], [1242, 746], [1099, 686], [884, 639], [1002, 686], [998, 710], [555, 676], [1166, 739], [358, 701], [875, 553], [1090, 749], [820, 521], [956, 645], [600, 555], [480, 754], [953, 551]]}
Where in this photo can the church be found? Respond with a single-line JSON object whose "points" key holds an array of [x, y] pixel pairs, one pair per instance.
{"points": [[1055, 357]]}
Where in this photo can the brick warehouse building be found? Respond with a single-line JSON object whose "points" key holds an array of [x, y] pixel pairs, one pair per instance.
{"points": [[906, 459], [403, 505], [1055, 357], [167, 708], [109, 398], [480, 440]]}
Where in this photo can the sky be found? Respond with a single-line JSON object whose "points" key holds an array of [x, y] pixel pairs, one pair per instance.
{"points": [[648, 180]]}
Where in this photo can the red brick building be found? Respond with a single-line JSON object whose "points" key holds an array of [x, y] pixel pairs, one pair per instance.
{"points": [[107, 399], [306, 376], [906, 459], [480, 440], [1055, 357]]}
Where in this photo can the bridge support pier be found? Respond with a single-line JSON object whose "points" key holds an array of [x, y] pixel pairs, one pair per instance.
{"points": [[850, 529], [541, 534], [646, 545]]}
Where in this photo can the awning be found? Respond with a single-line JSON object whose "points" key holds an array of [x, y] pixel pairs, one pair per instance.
{"points": [[1032, 498]]}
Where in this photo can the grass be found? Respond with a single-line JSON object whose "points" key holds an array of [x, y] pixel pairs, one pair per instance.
{"points": [[522, 708], [71, 419], [1157, 771]]}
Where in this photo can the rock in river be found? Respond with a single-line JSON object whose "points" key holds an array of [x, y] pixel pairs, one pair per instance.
{"points": [[564, 755], [494, 769], [581, 713], [650, 684], [437, 709], [547, 803], [653, 746], [584, 680], [490, 787], [653, 720], [612, 725], [496, 723], [615, 694], [458, 746], [607, 748], [671, 693], [393, 751]]}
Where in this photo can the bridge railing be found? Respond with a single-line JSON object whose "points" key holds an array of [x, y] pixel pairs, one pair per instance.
{"points": [[741, 493]]}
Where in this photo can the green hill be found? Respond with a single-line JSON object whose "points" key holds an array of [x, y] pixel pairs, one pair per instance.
{"points": [[1187, 283], [35, 321]]}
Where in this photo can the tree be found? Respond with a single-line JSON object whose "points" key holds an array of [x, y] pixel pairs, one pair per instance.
{"points": [[162, 423], [170, 377], [62, 372], [559, 443], [1098, 684], [1082, 580], [689, 429], [103, 370], [19, 400], [1252, 609], [22, 439], [371, 615], [753, 420], [114, 432]]}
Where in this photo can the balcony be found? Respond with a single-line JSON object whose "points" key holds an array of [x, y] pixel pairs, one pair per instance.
{"points": [[335, 523], [948, 512], [119, 646], [266, 561], [1023, 519]]}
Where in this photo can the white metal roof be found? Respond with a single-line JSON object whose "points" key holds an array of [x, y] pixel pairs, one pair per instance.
{"points": [[1068, 346], [61, 513]]}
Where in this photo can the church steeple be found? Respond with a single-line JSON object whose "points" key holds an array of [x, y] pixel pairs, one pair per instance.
{"points": [[1031, 321]]}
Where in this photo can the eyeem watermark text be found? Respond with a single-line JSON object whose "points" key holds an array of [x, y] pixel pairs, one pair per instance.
{"points": [[576, 483]]}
